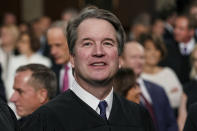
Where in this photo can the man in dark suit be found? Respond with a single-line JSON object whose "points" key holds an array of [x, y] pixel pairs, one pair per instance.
{"points": [[34, 85], [2, 87], [153, 96], [191, 122], [95, 38], [8, 120], [179, 50], [59, 50]]}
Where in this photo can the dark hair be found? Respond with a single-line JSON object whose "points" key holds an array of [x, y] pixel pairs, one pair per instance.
{"points": [[42, 77], [93, 12], [34, 42], [157, 42], [124, 80]]}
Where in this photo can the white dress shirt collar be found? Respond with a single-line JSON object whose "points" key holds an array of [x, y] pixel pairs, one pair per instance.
{"points": [[189, 46], [91, 100], [144, 90]]}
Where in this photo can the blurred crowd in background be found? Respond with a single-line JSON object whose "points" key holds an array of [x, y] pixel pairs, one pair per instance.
{"points": [[168, 38]]}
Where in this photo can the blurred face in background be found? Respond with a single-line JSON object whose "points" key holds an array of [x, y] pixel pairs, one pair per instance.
{"points": [[9, 35], [9, 19], [134, 94], [23, 44], [58, 45], [44, 22], [133, 57], [182, 33], [158, 27], [193, 11], [152, 54]]}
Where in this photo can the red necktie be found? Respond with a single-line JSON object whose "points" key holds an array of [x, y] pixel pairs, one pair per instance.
{"points": [[65, 82], [150, 110]]}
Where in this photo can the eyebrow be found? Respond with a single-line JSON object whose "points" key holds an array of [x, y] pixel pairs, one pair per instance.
{"points": [[109, 39]]}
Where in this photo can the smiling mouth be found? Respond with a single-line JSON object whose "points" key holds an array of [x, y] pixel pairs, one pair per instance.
{"points": [[98, 64]]}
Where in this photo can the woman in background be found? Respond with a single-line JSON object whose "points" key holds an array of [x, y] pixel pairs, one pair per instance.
{"points": [[125, 85], [164, 76]]}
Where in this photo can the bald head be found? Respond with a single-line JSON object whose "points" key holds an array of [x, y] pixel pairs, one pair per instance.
{"points": [[133, 57]]}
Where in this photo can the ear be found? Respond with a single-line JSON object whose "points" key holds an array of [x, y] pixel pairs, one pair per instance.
{"points": [[42, 95], [72, 60]]}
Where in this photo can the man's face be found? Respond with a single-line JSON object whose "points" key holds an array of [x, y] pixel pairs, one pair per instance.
{"points": [[25, 97], [181, 31], [58, 45], [133, 57], [95, 58]]}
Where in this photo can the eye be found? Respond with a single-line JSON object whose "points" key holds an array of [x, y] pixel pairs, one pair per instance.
{"points": [[87, 44], [19, 91], [110, 44]]}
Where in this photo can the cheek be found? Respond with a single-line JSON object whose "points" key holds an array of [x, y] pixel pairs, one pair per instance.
{"points": [[195, 64]]}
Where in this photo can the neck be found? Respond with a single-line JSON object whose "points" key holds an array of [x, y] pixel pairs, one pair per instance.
{"points": [[98, 91], [150, 69], [7, 48], [187, 40], [29, 54]]}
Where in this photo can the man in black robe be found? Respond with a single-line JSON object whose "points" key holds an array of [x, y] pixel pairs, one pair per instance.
{"points": [[95, 39]]}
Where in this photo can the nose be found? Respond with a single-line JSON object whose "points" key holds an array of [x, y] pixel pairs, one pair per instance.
{"points": [[14, 97], [98, 50]]}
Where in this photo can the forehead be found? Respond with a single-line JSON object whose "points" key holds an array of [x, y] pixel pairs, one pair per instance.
{"points": [[55, 32], [133, 49], [95, 28], [23, 76], [182, 21], [55, 35]]}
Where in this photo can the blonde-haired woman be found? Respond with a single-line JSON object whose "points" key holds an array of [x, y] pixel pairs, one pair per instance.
{"points": [[190, 90]]}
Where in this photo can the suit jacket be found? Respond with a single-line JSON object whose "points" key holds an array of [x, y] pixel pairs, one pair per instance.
{"points": [[178, 62], [168, 36], [67, 112], [163, 112], [8, 120], [191, 122], [2, 87], [57, 69]]}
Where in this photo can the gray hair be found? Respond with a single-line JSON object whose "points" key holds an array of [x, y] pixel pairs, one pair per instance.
{"points": [[59, 24], [93, 12], [42, 77]]}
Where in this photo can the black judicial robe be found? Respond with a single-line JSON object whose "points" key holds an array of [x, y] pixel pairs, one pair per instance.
{"points": [[67, 112]]}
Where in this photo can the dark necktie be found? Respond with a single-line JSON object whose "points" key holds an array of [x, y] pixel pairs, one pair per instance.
{"points": [[65, 82], [102, 106], [185, 51], [150, 110]]}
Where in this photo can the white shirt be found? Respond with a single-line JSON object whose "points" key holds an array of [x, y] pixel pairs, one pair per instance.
{"points": [[168, 80], [70, 76], [91, 100], [189, 46], [144, 90]]}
